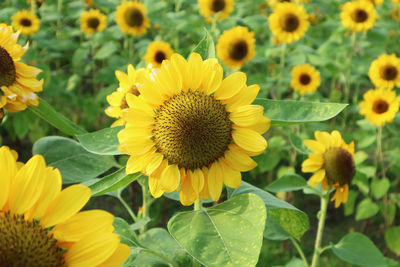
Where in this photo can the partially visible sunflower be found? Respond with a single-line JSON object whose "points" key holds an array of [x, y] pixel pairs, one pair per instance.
{"points": [[274, 3], [305, 79], [88, 2], [332, 161], [380, 106], [221, 9], [385, 71], [193, 131], [93, 21], [396, 2], [25, 22], [236, 47], [358, 15], [377, 2], [289, 22], [131, 18], [18, 81], [157, 52], [41, 224]]}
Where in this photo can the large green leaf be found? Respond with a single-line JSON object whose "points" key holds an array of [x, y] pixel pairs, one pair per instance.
{"points": [[229, 234], [126, 233], [206, 47], [103, 142], [379, 187], [366, 209], [392, 238], [282, 112], [288, 182]]}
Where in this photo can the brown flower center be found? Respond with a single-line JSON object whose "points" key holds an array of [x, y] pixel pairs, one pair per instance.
{"points": [[389, 72], [134, 17], [7, 68], [93, 23], [217, 5], [380, 106], [25, 22], [305, 79], [359, 15], [238, 50], [159, 57], [339, 166], [290, 22]]}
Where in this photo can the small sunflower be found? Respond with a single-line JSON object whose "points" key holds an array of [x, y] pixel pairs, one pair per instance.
{"points": [[193, 131], [236, 47], [131, 18], [17, 80], [385, 71], [40, 223], [25, 22], [93, 21], [157, 51], [332, 161], [289, 22], [305, 79], [221, 9], [380, 106], [275, 3], [358, 15]]}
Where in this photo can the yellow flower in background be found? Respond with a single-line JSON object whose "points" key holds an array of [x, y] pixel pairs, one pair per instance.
{"points": [[377, 2], [40, 223], [289, 22], [274, 3], [221, 9], [380, 106], [25, 22], [385, 71], [396, 2], [332, 162], [157, 51], [236, 47], [93, 21], [131, 18], [305, 79], [193, 131], [358, 16], [88, 2], [18, 81]]}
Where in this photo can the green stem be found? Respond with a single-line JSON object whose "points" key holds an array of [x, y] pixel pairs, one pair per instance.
{"points": [[128, 208], [281, 72], [33, 6], [380, 153], [320, 231], [197, 206], [59, 9], [146, 201], [172, 263], [300, 251]]}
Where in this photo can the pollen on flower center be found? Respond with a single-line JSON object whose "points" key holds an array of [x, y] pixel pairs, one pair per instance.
{"points": [[25, 22], [380, 106], [93, 23], [134, 17], [192, 130], [239, 50], [159, 57], [7, 68], [389, 72], [26, 243], [339, 166], [290, 22], [217, 5], [305, 79], [359, 15]]}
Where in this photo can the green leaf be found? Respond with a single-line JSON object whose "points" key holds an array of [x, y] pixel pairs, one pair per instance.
{"points": [[229, 234], [358, 249], [295, 262], [297, 143], [106, 50], [126, 233], [103, 142], [206, 47], [379, 187], [392, 238], [283, 112], [74, 162], [351, 202], [366, 209], [288, 182]]}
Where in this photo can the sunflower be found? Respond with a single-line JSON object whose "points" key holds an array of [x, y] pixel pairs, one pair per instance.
{"points": [[25, 22], [131, 18], [236, 47], [385, 71], [305, 79], [289, 22], [92, 21], [221, 9], [332, 161], [157, 51], [88, 2], [377, 2], [40, 223], [358, 15], [17, 80], [193, 131], [274, 3], [396, 2]]}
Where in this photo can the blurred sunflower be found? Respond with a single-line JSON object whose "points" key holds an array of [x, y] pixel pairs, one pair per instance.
{"points": [[220, 8], [236, 47], [193, 131], [25, 22], [274, 3], [289, 22], [377, 2], [88, 2], [332, 161], [305, 79], [40, 223], [157, 51], [358, 15], [131, 18], [18, 81], [385, 71], [396, 2], [380, 106], [92, 21]]}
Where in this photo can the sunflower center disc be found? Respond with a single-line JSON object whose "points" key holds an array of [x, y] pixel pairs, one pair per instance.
{"points": [[380, 106], [339, 166], [305, 79], [7, 68], [134, 17], [290, 22], [192, 130], [360, 15], [389, 72], [93, 23], [217, 5], [239, 50], [27, 244], [25, 22], [159, 57]]}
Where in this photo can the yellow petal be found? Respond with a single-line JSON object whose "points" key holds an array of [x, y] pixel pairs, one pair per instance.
{"points": [[317, 178], [246, 115], [195, 71], [137, 116], [231, 85], [215, 181], [261, 126], [138, 163], [8, 169], [153, 163], [324, 138], [154, 186], [118, 257], [170, 178], [204, 194], [249, 140], [238, 160], [232, 178], [314, 146], [197, 180], [214, 73], [186, 193], [244, 97], [310, 166]]}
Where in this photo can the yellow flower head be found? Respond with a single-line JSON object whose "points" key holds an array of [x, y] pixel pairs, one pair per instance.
{"points": [[332, 162], [39, 222], [93, 21], [358, 15], [289, 22], [25, 22], [396, 2], [275, 3], [131, 18], [221, 9], [236, 47], [305, 79], [157, 51], [18, 82], [380, 106], [193, 131], [385, 71]]}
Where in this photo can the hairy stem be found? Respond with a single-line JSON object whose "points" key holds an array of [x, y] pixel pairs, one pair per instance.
{"points": [[320, 231]]}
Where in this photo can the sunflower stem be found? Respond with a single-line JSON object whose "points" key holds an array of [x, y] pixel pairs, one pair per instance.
{"points": [[161, 256], [383, 174], [147, 201], [197, 206], [281, 69], [59, 10], [128, 208], [300, 251], [320, 231]]}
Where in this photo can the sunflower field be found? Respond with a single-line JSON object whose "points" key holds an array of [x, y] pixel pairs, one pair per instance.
{"points": [[192, 133]]}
